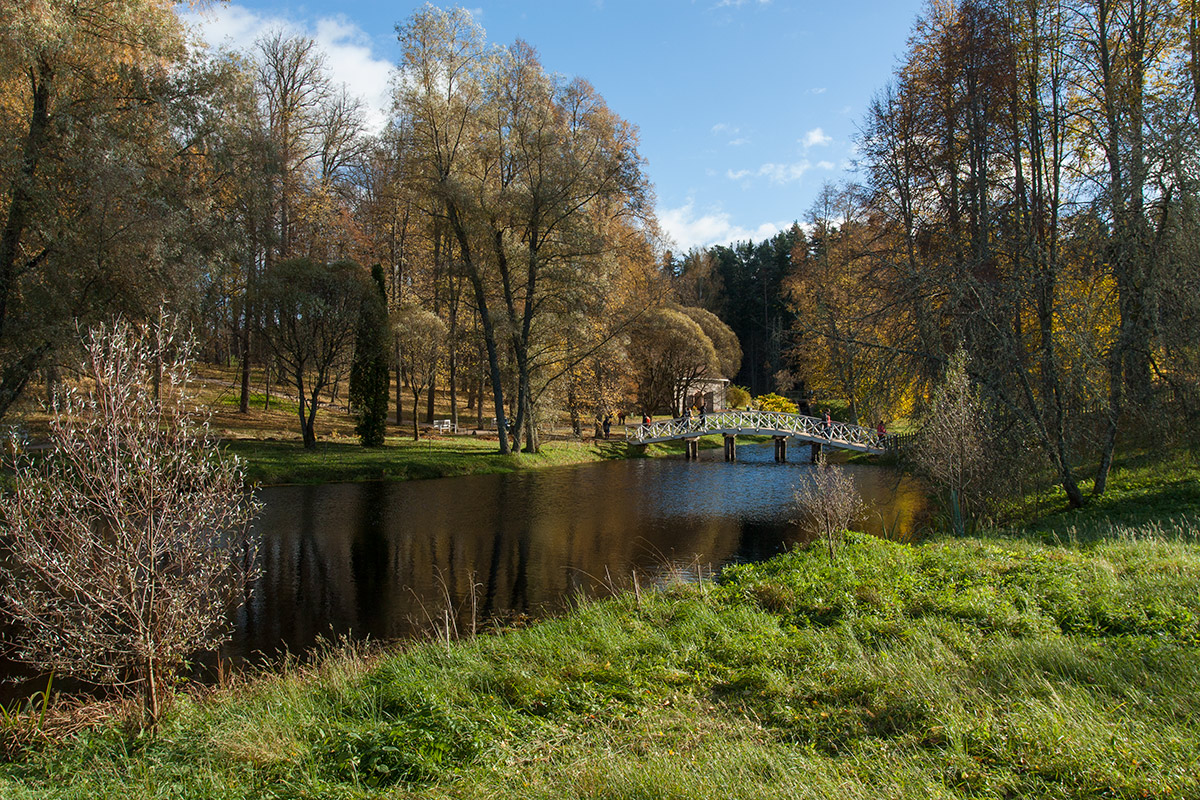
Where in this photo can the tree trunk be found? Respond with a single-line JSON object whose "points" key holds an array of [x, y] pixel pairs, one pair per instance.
{"points": [[247, 323], [399, 385], [489, 332]]}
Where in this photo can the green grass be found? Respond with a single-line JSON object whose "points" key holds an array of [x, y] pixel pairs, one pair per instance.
{"points": [[280, 462], [1141, 489], [258, 400], [1056, 660], [991, 667], [273, 462]]}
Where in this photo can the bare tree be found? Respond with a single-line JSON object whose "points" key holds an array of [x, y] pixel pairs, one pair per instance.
{"points": [[830, 504], [950, 448], [128, 542]]}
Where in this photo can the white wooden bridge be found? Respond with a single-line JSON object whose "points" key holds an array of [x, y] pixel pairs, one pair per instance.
{"points": [[776, 424]]}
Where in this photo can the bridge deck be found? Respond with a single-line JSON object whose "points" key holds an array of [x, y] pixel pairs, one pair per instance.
{"points": [[761, 423]]}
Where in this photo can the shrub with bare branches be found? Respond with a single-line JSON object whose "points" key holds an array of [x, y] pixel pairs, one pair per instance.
{"points": [[829, 504], [951, 448], [128, 541]]}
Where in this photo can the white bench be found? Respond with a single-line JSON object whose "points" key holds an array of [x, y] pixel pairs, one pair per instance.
{"points": [[445, 425]]}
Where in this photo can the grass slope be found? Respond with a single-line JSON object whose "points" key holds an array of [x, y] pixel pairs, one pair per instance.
{"points": [[998, 667], [270, 462]]}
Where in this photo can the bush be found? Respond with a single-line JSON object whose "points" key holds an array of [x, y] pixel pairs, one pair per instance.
{"points": [[774, 402], [829, 504], [127, 543], [737, 396]]}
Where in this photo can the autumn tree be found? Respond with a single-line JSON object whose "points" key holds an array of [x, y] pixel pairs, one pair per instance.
{"points": [[669, 353], [1027, 206], [832, 290], [528, 173], [422, 336], [93, 186]]}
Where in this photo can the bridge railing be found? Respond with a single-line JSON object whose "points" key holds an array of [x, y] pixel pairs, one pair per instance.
{"points": [[813, 428]]}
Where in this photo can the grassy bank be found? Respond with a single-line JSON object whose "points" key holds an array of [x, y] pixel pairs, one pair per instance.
{"points": [[269, 462], [401, 458], [998, 667], [1142, 488]]}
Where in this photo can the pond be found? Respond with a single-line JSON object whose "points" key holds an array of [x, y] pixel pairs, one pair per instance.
{"points": [[390, 560]]}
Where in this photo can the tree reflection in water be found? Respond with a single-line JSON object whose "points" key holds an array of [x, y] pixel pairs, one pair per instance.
{"points": [[383, 560]]}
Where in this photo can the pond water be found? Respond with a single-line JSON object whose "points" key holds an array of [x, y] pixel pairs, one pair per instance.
{"points": [[389, 560]]}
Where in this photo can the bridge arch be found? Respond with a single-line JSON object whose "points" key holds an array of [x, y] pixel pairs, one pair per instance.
{"points": [[777, 424]]}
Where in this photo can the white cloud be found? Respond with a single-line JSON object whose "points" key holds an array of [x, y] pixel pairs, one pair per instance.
{"points": [[688, 230], [784, 173], [740, 3], [818, 90], [826, 165], [346, 46], [775, 173], [730, 130], [816, 138]]}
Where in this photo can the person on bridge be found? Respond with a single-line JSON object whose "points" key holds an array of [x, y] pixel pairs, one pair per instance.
{"points": [[828, 425], [702, 416], [645, 420], [881, 431]]}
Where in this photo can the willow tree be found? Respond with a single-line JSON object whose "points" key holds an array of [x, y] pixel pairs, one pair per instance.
{"points": [[669, 354], [528, 171], [91, 201]]}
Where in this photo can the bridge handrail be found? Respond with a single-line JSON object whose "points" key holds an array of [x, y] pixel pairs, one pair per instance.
{"points": [[788, 424]]}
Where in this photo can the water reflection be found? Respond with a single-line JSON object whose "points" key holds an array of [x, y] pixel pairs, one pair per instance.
{"points": [[386, 560]]}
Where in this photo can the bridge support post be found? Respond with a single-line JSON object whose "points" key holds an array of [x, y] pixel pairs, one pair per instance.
{"points": [[781, 449], [730, 447], [816, 451], [691, 449]]}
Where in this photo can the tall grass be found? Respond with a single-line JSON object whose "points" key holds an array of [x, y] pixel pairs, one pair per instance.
{"points": [[988, 667]]}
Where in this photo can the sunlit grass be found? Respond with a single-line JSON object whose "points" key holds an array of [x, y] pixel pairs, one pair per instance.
{"points": [[401, 458], [1140, 489], [989, 667]]}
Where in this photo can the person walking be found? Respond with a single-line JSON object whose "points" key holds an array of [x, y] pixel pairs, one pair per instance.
{"points": [[828, 425], [607, 424]]}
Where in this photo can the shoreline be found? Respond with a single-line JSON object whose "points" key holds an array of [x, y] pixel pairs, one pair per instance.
{"points": [[278, 462], [1002, 664]]}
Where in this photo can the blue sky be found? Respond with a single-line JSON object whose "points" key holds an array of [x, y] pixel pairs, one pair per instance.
{"points": [[745, 107]]}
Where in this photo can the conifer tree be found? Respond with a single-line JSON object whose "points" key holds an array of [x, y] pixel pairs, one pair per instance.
{"points": [[369, 370]]}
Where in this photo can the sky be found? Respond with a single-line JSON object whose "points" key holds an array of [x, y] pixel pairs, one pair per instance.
{"points": [[745, 108]]}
